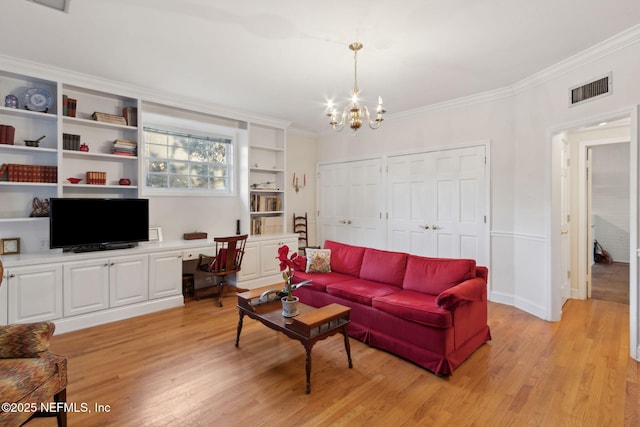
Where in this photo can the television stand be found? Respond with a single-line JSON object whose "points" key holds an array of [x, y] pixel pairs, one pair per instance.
{"points": [[100, 247]]}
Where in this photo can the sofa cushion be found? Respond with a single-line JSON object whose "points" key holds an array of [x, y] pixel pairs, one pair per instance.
{"points": [[415, 306], [318, 260], [346, 259], [360, 290], [434, 275], [319, 281], [383, 266], [19, 378]]}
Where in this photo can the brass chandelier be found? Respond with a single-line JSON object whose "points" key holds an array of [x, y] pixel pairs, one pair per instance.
{"points": [[355, 114]]}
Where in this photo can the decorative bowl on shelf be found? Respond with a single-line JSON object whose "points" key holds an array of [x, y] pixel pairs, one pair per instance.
{"points": [[124, 181], [74, 180]]}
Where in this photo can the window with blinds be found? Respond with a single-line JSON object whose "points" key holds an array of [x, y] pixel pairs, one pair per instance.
{"points": [[187, 163]]}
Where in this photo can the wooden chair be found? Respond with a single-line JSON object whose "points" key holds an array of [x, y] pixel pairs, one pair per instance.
{"points": [[229, 252], [300, 227]]}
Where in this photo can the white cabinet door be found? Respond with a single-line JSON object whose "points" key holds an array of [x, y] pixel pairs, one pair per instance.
{"points": [[86, 286], [165, 274], [4, 301], [250, 267], [128, 280], [269, 264], [260, 266], [34, 293]]}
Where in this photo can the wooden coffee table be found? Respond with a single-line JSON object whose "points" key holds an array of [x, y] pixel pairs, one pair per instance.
{"points": [[308, 327]]}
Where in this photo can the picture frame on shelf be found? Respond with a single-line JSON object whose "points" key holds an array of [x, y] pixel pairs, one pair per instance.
{"points": [[155, 234], [10, 246]]}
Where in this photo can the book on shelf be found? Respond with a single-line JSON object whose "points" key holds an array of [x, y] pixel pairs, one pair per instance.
{"points": [[70, 142], [65, 105], [96, 178], [266, 225], [30, 173], [123, 147], [7, 134], [72, 104], [3, 170], [109, 118], [265, 203], [131, 116]]}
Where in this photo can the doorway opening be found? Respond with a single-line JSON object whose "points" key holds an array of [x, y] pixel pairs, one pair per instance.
{"points": [[604, 216], [571, 235]]}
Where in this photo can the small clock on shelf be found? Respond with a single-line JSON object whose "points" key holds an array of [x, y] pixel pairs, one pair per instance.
{"points": [[10, 246]]}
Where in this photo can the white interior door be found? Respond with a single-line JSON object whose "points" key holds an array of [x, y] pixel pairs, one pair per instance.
{"points": [[437, 204], [333, 202], [590, 225], [407, 195], [351, 203]]}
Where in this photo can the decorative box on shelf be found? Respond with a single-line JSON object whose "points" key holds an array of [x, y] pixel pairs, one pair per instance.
{"points": [[195, 235]]}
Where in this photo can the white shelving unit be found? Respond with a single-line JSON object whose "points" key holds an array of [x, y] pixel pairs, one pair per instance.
{"points": [[267, 179], [18, 197], [99, 138]]}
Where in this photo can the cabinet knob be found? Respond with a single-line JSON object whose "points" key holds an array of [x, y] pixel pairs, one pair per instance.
{"points": [[435, 227], [12, 275], [426, 227]]}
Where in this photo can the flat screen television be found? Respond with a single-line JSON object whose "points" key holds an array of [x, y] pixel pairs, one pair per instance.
{"points": [[93, 224]]}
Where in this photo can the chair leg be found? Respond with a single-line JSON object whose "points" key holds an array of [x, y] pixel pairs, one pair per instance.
{"points": [[220, 292], [61, 416]]}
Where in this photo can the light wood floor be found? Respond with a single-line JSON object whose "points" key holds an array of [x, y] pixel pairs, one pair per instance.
{"points": [[610, 282], [179, 367]]}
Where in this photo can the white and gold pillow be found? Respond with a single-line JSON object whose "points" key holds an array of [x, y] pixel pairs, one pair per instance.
{"points": [[318, 260]]}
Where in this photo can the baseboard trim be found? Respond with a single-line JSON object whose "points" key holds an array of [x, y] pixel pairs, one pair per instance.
{"points": [[88, 320]]}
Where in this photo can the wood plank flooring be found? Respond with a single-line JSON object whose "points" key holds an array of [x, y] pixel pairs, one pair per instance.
{"points": [[610, 282], [180, 367]]}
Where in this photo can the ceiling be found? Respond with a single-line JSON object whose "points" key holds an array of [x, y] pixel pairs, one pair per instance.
{"points": [[285, 58]]}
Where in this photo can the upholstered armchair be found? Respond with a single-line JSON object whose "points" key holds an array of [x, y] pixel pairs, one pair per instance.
{"points": [[31, 377]]}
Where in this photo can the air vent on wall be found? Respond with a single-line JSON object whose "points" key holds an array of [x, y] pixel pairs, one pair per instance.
{"points": [[588, 91]]}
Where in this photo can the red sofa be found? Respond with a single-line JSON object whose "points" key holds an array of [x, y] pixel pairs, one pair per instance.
{"points": [[431, 311]]}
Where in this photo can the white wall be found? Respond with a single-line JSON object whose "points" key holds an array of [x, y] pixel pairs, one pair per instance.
{"points": [[611, 199], [301, 159]]}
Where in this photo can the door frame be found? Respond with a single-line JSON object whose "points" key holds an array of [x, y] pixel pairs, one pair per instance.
{"points": [[553, 227]]}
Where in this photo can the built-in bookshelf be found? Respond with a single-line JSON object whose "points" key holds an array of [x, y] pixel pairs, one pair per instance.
{"points": [[37, 158], [99, 121], [267, 149]]}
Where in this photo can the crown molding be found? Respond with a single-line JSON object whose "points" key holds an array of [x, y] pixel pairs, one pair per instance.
{"points": [[52, 73], [598, 51], [605, 48]]}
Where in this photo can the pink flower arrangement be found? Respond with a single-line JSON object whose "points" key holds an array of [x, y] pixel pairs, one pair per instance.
{"points": [[289, 264]]}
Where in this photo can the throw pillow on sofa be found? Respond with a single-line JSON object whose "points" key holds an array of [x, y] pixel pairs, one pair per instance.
{"points": [[318, 260]]}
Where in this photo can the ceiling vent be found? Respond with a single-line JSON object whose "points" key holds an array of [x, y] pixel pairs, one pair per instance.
{"points": [[61, 5], [589, 91]]}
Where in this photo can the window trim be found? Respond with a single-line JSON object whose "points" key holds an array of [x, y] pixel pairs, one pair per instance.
{"points": [[196, 128]]}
